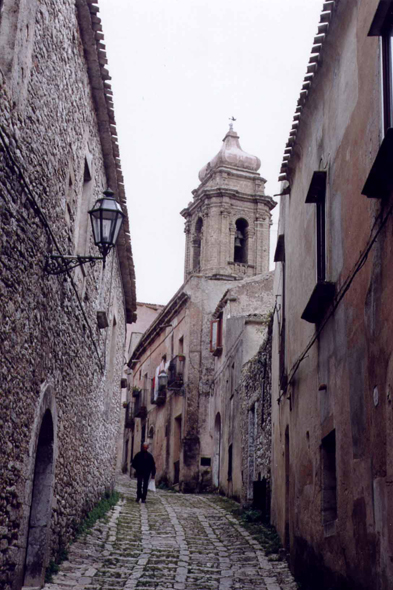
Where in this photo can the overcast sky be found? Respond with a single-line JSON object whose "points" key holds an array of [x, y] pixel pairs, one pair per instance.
{"points": [[180, 69]]}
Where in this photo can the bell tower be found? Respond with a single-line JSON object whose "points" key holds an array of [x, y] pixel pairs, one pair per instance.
{"points": [[228, 222]]}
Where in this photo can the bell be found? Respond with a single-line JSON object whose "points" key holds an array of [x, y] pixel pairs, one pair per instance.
{"points": [[238, 239]]}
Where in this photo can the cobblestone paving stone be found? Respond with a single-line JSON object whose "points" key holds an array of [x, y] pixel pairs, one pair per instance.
{"points": [[174, 542]]}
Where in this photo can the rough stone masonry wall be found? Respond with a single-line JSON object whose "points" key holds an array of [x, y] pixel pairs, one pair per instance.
{"points": [[47, 344], [255, 388]]}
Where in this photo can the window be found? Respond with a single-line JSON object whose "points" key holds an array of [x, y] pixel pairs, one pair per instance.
{"points": [[387, 70], [111, 361], [152, 388], [324, 291], [17, 29], [241, 242], [197, 245], [279, 256], [181, 345], [321, 245], [230, 463], [206, 461], [379, 183], [316, 194], [329, 478], [82, 220], [382, 26], [216, 336], [232, 375]]}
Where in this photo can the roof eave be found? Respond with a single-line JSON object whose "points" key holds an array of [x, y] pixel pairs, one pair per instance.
{"points": [[92, 37]]}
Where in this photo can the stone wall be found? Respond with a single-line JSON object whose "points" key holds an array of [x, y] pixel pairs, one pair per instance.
{"points": [[254, 391], [55, 360]]}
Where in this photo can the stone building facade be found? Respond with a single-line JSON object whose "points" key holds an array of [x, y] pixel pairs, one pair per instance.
{"points": [[146, 313], [227, 240], [332, 464], [60, 371], [239, 413]]}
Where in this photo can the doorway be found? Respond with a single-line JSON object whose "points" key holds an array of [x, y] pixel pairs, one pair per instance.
{"points": [[217, 450], [40, 511], [177, 450], [287, 490]]}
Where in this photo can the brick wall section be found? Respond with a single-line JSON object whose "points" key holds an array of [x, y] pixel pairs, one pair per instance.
{"points": [[50, 348]]}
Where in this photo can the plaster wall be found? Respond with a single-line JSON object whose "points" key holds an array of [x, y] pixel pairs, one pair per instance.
{"points": [[246, 310], [343, 383]]}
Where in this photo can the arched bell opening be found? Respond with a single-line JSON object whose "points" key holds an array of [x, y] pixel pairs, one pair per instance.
{"points": [[241, 242], [217, 450], [40, 511], [197, 245]]}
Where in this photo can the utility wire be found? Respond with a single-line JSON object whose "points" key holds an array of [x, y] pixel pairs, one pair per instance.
{"points": [[37, 210], [343, 290]]}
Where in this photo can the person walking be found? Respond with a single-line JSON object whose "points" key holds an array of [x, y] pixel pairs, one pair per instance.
{"points": [[144, 465]]}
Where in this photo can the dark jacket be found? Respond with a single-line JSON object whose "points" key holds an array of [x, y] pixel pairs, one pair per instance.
{"points": [[143, 463]]}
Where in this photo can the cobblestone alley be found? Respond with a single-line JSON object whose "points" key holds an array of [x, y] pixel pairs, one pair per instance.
{"points": [[174, 541]]}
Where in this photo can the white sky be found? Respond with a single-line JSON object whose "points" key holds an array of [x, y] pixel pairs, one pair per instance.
{"points": [[180, 69]]}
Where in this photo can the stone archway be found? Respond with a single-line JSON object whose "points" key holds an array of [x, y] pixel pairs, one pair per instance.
{"points": [[217, 450], [40, 512]]}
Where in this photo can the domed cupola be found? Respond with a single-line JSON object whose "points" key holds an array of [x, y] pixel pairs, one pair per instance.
{"points": [[231, 155]]}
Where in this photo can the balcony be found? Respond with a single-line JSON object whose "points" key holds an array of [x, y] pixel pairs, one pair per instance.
{"points": [[140, 408], [161, 397], [176, 372]]}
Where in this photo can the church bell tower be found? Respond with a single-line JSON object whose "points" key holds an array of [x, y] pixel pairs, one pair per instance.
{"points": [[228, 222]]}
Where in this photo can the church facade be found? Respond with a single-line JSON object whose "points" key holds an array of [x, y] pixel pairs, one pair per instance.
{"points": [[227, 227]]}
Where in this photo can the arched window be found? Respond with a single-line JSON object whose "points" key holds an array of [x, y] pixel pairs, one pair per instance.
{"points": [[196, 259], [241, 242]]}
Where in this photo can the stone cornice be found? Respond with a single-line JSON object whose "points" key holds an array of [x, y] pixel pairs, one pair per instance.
{"points": [[95, 54], [233, 194], [177, 302]]}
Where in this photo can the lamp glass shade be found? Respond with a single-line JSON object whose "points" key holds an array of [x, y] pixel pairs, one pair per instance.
{"points": [[106, 219], [162, 380]]}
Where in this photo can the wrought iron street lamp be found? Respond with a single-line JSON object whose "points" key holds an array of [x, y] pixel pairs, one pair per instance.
{"points": [[106, 220], [162, 380]]}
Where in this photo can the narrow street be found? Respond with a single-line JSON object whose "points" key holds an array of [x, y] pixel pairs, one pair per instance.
{"points": [[174, 541]]}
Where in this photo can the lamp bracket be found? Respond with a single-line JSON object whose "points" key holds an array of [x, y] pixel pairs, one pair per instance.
{"points": [[57, 264]]}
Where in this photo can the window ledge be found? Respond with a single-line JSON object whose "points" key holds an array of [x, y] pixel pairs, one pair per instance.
{"points": [[320, 300], [379, 183], [329, 528]]}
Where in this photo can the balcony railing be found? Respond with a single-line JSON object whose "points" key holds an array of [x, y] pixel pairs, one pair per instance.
{"points": [[140, 407], [161, 397], [176, 372]]}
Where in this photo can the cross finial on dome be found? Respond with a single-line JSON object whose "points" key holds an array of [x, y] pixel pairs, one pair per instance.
{"points": [[232, 119]]}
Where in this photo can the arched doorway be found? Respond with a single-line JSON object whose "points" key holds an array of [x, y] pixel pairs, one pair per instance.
{"points": [[39, 523], [217, 450]]}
